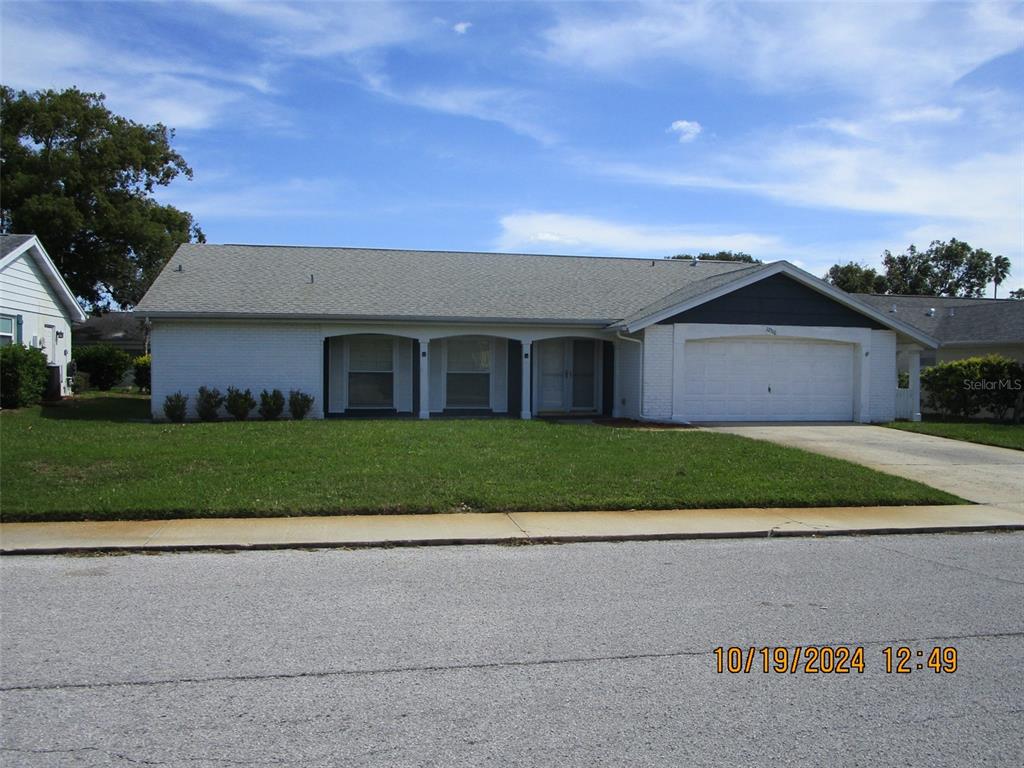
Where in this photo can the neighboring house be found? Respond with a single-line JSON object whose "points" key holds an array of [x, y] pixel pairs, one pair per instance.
{"points": [[36, 305], [124, 330], [963, 327], [433, 332]]}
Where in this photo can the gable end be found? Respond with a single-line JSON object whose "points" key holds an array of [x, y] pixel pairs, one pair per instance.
{"points": [[775, 300]]}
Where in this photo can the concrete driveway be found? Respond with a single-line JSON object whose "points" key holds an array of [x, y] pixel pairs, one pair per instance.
{"points": [[979, 473]]}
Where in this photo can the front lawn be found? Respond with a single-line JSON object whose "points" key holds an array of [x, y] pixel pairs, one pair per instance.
{"points": [[1003, 435], [97, 458]]}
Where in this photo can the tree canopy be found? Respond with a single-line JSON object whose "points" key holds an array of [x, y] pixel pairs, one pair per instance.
{"points": [[720, 256], [82, 180], [944, 269], [856, 278]]}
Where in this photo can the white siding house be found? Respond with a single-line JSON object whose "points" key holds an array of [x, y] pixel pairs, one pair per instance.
{"points": [[372, 332], [36, 306]]}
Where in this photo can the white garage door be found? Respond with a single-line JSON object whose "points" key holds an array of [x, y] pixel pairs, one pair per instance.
{"points": [[768, 380]]}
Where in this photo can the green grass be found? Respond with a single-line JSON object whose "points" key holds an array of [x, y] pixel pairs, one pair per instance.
{"points": [[99, 458], [1003, 435]]}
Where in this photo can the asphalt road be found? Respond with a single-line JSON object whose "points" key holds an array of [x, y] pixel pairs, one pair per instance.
{"points": [[587, 654]]}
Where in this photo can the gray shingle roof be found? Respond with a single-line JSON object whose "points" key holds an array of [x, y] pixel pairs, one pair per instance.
{"points": [[956, 321], [9, 243], [693, 290], [372, 283]]}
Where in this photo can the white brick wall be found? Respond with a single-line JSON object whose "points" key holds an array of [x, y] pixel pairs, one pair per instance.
{"points": [[882, 397], [658, 364], [627, 379], [255, 355]]}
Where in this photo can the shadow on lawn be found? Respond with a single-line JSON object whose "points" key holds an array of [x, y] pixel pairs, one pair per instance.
{"points": [[113, 408]]}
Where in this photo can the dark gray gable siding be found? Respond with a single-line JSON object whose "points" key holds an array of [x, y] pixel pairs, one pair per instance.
{"points": [[775, 300]]}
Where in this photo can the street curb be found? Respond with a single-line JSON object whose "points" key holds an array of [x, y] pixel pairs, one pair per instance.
{"points": [[516, 540]]}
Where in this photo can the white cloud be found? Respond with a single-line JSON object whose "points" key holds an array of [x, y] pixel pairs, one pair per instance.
{"points": [[174, 90], [907, 49], [226, 196], [317, 30], [507, 107], [978, 198], [537, 231], [359, 34], [685, 130], [926, 114]]}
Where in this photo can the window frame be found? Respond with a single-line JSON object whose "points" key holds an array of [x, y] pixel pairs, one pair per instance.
{"points": [[13, 335], [489, 373], [390, 371]]}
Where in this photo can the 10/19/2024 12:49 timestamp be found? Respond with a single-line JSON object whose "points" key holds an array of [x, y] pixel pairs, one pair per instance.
{"points": [[828, 659]]}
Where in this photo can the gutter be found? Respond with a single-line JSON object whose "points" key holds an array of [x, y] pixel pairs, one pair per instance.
{"points": [[386, 319]]}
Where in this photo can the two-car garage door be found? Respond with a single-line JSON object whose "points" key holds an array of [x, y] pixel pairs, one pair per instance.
{"points": [[768, 380]]}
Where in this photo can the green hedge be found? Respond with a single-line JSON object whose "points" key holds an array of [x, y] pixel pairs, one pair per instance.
{"points": [[23, 376], [964, 388], [143, 366], [106, 365]]}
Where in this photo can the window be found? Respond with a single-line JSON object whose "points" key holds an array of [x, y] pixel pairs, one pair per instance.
{"points": [[6, 331], [370, 372], [469, 373]]}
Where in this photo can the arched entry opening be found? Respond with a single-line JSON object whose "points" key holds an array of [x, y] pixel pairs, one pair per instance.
{"points": [[369, 374]]}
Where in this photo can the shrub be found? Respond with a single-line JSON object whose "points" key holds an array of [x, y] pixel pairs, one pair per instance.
{"points": [[208, 403], [23, 376], [299, 403], [80, 383], [176, 406], [106, 365], [271, 404], [1003, 379], [965, 387], [143, 366], [240, 403]]}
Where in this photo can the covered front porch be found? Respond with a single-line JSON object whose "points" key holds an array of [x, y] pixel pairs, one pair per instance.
{"points": [[467, 374]]}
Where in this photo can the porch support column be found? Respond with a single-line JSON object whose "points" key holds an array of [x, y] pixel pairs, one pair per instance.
{"points": [[914, 358], [525, 410], [424, 379]]}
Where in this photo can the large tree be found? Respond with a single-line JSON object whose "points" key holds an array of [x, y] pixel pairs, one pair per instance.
{"points": [[945, 269], [856, 278], [720, 256], [82, 179]]}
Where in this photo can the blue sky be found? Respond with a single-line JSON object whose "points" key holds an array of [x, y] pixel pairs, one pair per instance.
{"points": [[816, 132]]}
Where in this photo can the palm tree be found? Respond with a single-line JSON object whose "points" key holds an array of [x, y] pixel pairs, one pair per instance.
{"points": [[1000, 271]]}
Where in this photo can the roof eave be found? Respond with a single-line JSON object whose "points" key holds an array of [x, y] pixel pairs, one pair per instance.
{"points": [[400, 319]]}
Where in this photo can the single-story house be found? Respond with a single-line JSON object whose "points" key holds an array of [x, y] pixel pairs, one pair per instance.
{"points": [[36, 306], [124, 330], [963, 327], [373, 332]]}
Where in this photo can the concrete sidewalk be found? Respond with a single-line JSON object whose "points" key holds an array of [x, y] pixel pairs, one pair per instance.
{"points": [[494, 528]]}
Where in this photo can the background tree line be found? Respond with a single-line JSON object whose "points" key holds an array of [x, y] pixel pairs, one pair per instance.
{"points": [[943, 269]]}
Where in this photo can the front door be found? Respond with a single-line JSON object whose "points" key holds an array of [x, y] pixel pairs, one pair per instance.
{"points": [[567, 375]]}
